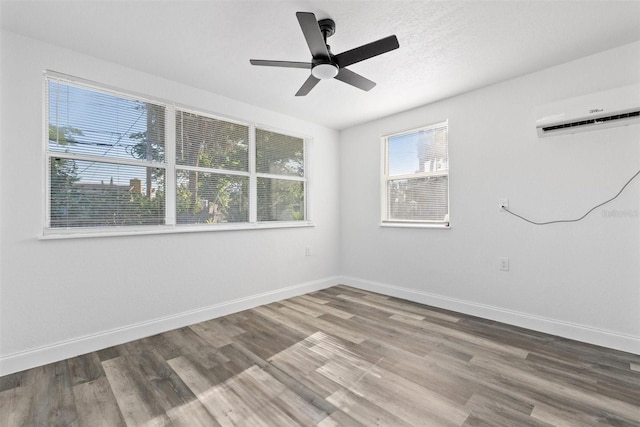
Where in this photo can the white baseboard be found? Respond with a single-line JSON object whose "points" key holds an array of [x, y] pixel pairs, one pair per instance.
{"points": [[63, 350], [556, 327]]}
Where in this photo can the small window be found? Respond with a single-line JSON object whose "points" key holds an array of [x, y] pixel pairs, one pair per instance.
{"points": [[416, 177]]}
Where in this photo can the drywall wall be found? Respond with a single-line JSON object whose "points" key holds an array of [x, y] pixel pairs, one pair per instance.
{"points": [[64, 296], [580, 280]]}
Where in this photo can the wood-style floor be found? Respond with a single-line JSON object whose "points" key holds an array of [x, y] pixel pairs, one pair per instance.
{"points": [[337, 357]]}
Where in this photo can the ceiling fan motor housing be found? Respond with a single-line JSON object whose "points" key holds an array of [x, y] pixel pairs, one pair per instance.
{"points": [[321, 68]]}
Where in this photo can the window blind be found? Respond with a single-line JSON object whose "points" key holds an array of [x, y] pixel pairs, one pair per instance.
{"points": [[212, 158], [208, 142], [280, 179], [416, 174], [122, 160], [105, 158]]}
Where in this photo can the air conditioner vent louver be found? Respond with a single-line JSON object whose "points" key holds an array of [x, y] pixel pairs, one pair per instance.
{"points": [[593, 121], [602, 110]]}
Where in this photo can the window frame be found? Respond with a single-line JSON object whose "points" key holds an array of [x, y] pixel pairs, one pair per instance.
{"points": [[239, 173], [169, 165], [283, 177], [385, 221]]}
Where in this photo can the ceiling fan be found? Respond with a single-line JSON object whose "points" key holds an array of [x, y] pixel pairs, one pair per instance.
{"points": [[326, 65]]}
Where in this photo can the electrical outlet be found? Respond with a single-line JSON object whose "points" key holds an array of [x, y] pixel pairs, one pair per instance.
{"points": [[307, 251], [504, 263], [502, 204]]}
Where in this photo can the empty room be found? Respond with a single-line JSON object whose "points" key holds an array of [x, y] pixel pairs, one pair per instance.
{"points": [[319, 213]]}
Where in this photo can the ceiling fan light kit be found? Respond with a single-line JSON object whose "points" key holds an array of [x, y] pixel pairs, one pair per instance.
{"points": [[325, 65], [324, 71]]}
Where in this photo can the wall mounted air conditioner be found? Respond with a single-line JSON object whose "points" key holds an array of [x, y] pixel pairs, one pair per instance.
{"points": [[601, 110]]}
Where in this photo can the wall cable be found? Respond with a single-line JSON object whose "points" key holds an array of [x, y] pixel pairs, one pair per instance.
{"points": [[576, 219]]}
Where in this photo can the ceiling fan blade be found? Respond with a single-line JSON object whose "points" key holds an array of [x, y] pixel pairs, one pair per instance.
{"points": [[311, 31], [354, 79], [307, 86], [366, 51], [286, 64]]}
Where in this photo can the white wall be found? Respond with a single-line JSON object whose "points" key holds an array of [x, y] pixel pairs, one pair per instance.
{"points": [[579, 280], [60, 297], [64, 297]]}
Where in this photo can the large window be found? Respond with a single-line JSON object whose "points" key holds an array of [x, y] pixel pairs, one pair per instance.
{"points": [[416, 177], [117, 160]]}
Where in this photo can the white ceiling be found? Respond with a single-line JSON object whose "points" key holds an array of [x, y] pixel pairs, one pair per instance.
{"points": [[446, 48]]}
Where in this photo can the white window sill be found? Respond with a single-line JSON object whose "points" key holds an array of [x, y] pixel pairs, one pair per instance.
{"points": [[414, 225], [81, 233]]}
